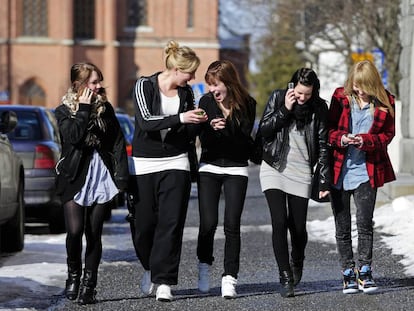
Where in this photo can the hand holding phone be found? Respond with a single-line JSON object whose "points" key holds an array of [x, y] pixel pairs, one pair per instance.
{"points": [[290, 98], [86, 96]]}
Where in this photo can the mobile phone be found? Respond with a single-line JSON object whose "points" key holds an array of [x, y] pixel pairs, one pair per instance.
{"points": [[291, 85], [351, 136], [201, 113]]}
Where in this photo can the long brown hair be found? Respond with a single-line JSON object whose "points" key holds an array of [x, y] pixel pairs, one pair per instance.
{"points": [[224, 71], [366, 77]]}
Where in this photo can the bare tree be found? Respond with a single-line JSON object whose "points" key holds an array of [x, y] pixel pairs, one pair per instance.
{"points": [[345, 27], [352, 26]]}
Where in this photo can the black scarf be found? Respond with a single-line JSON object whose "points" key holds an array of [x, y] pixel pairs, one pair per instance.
{"points": [[302, 114]]}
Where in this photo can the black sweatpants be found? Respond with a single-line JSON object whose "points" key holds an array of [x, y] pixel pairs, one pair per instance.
{"points": [[160, 213]]}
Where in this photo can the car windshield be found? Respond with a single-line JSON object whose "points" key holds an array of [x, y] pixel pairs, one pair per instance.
{"points": [[28, 127]]}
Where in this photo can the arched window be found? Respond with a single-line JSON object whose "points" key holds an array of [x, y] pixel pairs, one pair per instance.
{"points": [[34, 21], [137, 13], [31, 93], [84, 19]]}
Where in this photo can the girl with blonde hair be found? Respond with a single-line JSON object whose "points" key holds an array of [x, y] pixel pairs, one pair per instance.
{"points": [[164, 112], [361, 126]]}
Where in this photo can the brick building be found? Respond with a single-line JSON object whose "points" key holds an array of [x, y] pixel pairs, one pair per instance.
{"points": [[41, 39]]}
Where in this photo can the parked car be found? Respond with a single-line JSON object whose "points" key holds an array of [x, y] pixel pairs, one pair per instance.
{"points": [[36, 140], [127, 127], [11, 189]]}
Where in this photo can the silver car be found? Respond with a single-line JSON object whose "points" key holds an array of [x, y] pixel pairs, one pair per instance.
{"points": [[36, 140], [11, 189]]}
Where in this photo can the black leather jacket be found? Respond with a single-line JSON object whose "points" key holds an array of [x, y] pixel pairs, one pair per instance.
{"points": [[274, 135], [73, 166]]}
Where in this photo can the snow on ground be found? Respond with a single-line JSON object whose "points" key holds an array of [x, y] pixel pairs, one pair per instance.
{"points": [[41, 265]]}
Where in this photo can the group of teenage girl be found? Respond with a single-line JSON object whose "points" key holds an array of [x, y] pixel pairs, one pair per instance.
{"points": [[297, 133]]}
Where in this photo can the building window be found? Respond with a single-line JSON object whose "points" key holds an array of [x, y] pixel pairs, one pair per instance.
{"points": [[84, 19], [190, 13], [34, 18], [137, 13], [32, 94]]}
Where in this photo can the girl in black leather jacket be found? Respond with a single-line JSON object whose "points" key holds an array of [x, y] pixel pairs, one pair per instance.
{"points": [[294, 136]]}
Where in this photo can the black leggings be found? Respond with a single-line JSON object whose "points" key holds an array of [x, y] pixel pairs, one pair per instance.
{"points": [[288, 212], [88, 220]]}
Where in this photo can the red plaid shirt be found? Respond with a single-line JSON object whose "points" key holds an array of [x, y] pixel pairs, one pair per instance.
{"points": [[375, 142]]}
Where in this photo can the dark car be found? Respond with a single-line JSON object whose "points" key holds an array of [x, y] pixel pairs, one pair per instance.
{"points": [[36, 140], [127, 127], [11, 189]]}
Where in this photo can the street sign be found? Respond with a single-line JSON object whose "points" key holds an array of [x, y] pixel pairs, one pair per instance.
{"points": [[4, 97], [360, 56], [199, 90]]}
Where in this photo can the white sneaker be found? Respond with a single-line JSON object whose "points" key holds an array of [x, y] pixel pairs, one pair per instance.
{"points": [[228, 286], [164, 293], [203, 277], [147, 287]]}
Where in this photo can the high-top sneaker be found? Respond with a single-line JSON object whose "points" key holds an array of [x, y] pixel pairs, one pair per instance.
{"points": [[228, 287], [365, 281], [147, 287], [350, 281], [203, 277]]}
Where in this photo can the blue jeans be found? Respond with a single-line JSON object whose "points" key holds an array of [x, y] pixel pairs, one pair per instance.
{"points": [[364, 199]]}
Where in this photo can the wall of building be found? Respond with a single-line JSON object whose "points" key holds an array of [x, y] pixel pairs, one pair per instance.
{"points": [[406, 145], [122, 53]]}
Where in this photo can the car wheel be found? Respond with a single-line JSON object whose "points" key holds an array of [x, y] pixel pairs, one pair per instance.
{"points": [[56, 219], [12, 233]]}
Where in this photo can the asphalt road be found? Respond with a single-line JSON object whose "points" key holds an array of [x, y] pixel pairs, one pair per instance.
{"points": [[258, 281]]}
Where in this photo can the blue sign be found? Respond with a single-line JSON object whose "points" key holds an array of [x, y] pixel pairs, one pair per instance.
{"points": [[4, 96], [379, 60], [199, 90]]}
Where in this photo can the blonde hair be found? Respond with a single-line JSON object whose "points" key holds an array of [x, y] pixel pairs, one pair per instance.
{"points": [[181, 57], [366, 77]]}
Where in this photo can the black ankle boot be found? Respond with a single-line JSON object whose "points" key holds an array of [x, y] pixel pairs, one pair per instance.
{"points": [[73, 281], [286, 282], [87, 291], [297, 270]]}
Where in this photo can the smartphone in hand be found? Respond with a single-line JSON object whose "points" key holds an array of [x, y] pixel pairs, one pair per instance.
{"points": [[291, 85]]}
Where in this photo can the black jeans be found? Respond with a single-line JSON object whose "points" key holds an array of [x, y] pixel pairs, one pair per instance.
{"points": [[288, 212], [364, 199], [209, 189], [160, 213]]}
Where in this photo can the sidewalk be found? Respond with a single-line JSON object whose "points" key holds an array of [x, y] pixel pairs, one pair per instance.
{"points": [[402, 186]]}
